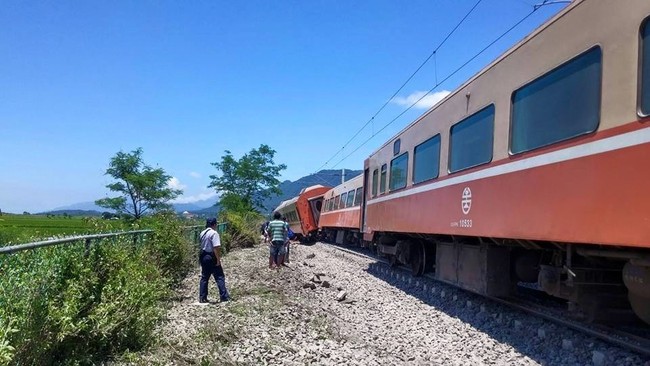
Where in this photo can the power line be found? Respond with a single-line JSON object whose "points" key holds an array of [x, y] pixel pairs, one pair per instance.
{"points": [[403, 85], [438, 84]]}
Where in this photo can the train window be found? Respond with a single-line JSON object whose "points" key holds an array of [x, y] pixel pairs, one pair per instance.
{"points": [[358, 197], [426, 160], [350, 201], [375, 182], [645, 68], [344, 196], [336, 203], [559, 105], [471, 140], [327, 205], [382, 182], [398, 172]]}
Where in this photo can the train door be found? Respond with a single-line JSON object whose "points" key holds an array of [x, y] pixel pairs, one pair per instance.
{"points": [[363, 202], [316, 205]]}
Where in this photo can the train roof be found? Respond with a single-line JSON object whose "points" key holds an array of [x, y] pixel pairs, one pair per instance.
{"points": [[504, 55], [311, 188], [286, 203], [350, 182]]}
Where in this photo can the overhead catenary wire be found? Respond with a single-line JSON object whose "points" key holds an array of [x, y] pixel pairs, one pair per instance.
{"points": [[433, 53], [438, 84]]}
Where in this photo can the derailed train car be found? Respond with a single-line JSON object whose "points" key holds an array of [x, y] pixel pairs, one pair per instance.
{"points": [[303, 211], [534, 170]]}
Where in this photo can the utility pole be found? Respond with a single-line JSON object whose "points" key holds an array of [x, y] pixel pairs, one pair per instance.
{"points": [[342, 175]]}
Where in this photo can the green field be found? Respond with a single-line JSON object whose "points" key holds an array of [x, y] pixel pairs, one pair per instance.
{"points": [[16, 229]]}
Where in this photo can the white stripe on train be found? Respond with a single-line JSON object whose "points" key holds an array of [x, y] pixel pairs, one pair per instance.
{"points": [[621, 141]]}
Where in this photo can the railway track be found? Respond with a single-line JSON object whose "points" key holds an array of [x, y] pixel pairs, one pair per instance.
{"points": [[620, 338]]}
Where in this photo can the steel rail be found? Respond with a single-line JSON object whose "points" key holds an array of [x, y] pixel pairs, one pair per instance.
{"points": [[642, 345], [47, 243]]}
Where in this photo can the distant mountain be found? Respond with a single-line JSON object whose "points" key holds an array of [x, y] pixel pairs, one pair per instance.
{"points": [[85, 213], [194, 206], [91, 206], [83, 206], [208, 211]]}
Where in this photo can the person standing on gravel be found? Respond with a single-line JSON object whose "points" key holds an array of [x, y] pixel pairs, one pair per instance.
{"points": [[210, 259], [287, 242], [264, 230], [277, 231]]}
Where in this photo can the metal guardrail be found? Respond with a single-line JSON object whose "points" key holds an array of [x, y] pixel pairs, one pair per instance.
{"points": [[86, 238], [221, 227]]}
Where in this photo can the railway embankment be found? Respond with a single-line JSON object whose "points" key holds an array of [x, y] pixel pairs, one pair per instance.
{"points": [[333, 308]]}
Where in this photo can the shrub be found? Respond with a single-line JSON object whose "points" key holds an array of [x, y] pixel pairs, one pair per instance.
{"points": [[242, 229], [168, 247], [63, 305]]}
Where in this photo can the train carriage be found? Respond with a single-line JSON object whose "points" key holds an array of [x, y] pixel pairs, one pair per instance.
{"points": [[534, 170], [303, 211], [340, 219]]}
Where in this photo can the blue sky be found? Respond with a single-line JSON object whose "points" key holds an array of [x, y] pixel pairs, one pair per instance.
{"points": [[80, 81]]}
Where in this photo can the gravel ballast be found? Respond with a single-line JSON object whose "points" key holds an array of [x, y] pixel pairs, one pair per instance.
{"points": [[331, 308]]}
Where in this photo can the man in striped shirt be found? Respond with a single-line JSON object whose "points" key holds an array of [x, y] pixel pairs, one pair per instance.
{"points": [[277, 231]]}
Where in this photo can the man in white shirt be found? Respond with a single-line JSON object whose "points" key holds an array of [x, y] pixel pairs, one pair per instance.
{"points": [[210, 259]]}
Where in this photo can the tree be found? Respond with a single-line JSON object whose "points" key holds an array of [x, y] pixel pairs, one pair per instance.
{"points": [[142, 189], [245, 183]]}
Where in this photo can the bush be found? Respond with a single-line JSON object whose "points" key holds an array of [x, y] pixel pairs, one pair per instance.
{"points": [[63, 305], [242, 229], [168, 247]]}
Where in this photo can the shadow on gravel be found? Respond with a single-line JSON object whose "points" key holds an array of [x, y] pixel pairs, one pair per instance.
{"points": [[540, 340]]}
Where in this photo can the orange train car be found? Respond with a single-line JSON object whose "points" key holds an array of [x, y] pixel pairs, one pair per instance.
{"points": [[303, 211], [534, 170], [340, 219]]}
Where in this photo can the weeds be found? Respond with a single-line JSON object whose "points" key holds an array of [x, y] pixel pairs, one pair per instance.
{"points": [[63, 305]]}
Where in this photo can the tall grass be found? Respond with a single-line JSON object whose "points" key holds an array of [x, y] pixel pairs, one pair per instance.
{"points": [[242, 229], [66, 305]]}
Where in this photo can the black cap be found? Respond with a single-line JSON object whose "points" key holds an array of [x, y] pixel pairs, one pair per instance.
{"points": [[210, 222]]}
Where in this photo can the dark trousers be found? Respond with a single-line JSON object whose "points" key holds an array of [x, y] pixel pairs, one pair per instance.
{"points": [[210, 268]]}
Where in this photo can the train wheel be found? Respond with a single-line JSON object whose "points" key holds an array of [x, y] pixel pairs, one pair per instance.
{"points": [[392, 261], [640, 305], [417, 259]]}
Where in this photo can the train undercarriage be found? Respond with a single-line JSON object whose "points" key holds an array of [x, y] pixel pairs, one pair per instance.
{"points": [[341, 236], [599, 285]]}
